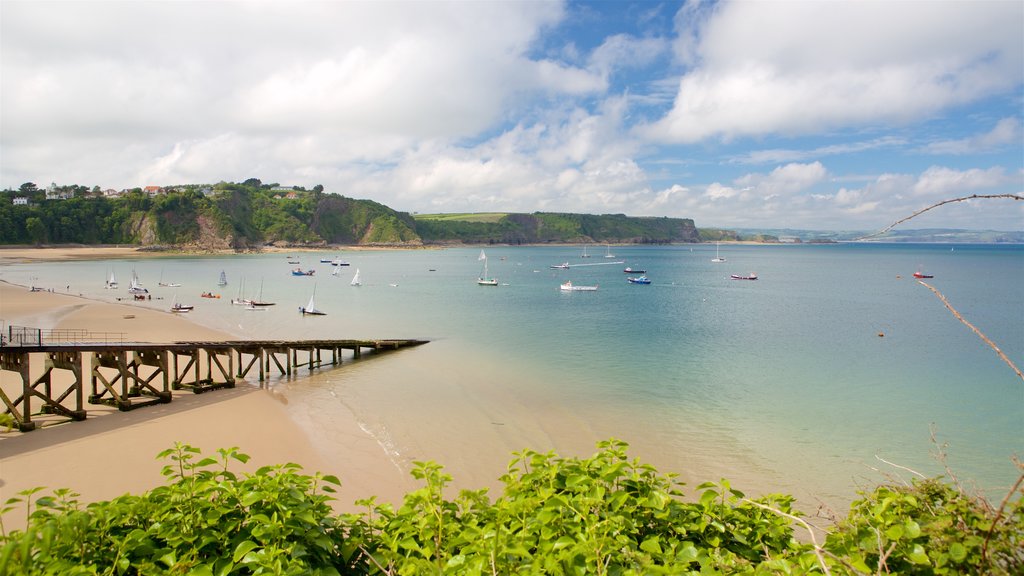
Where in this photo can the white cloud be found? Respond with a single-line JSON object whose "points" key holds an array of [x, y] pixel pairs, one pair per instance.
{"points": [[939, 181], [622, 51], [807, 67], [777, 155], [1006, 132]]}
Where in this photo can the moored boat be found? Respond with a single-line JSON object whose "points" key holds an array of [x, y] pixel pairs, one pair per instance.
{"points": [[310, 309], [638, 280], [750, 276], [570, 287], [485, 279], [301, 272], [629, 270]]}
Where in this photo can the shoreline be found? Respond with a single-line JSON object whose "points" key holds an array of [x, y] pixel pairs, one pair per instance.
{"points": [[113, 453], [16, 253]]}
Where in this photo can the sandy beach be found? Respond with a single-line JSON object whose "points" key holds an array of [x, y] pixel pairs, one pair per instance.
{"points": [[113, 453]]}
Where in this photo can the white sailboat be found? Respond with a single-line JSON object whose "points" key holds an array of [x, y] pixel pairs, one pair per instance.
{"points": [[355, 279], [717, 258], [111, 281], [484, 279], [310, 309], [240, 300], [223, 281], [136, 285], [608, 251], [585, 255]]}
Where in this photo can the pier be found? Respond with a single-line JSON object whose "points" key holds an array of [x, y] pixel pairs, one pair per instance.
{"points": [[131, 375]]}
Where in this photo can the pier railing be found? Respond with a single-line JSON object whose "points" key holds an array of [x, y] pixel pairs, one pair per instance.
{"points": [[28, 336]]}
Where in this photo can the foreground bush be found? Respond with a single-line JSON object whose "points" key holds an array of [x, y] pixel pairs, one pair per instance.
{"points": [[602, 515]]}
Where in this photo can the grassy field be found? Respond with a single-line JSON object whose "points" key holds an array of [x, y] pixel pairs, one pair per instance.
{"points": [[466, 217]]}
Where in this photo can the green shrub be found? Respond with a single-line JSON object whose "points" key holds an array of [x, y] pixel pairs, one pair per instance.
{"points": [[605, 514]]}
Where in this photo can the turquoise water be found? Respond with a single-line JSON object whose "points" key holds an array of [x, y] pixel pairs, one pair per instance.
{"points": [[779, 384]]}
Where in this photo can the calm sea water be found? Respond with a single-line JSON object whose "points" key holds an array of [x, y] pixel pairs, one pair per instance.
{"points": [[783, 384]]}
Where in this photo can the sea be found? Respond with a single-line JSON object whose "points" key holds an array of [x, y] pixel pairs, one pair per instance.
{"points": [[834, 371]]}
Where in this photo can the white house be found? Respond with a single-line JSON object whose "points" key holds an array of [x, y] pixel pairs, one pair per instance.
{"points": [[21, 201]]}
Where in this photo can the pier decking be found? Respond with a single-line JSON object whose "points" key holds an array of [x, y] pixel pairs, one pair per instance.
{"points": [[130, 375]]}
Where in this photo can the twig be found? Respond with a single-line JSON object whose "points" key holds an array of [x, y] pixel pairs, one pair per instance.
{"points": [[975, 330], [915, 472], [936, 205], [941, 455], [814, 540], [999, 515]]}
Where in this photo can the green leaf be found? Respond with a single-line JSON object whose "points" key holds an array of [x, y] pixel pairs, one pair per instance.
{"points": [[651, 545], [169, 559], [708, 497], [563, 542], [918, 555], [894, 532], [250, 498], [242, 549], [913, 529], [957, 551]]}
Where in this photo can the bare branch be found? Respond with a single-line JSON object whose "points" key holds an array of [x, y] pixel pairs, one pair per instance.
{"points": [[936, 205], [975, 330], [999, 515], [817, 548], [915, 472], [941, 456]]}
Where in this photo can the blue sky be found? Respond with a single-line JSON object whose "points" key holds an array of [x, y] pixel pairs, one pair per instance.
{"points": [[818, 115]]}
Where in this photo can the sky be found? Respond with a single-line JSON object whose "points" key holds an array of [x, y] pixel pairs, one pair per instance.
{"points": [[824, 115]]}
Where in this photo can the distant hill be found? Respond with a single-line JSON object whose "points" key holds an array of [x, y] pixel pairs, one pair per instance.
{"points": [[222, 216], [251, 214], [545, 227], [937, 235]]}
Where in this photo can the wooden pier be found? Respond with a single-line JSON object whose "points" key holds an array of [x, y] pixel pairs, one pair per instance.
{"points": [[131, 375]]}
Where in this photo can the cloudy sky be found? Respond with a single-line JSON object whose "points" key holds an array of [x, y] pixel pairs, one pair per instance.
{"points": [[818, 115]]}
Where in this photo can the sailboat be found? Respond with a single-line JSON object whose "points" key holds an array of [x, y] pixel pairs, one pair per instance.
{"points": [[717, 258], [608, 251], [111, 281], [259, 301], [240, 299], [355, 279], [484, 280], [310, 309], [223, 279], [136, 286], [585, 255]]}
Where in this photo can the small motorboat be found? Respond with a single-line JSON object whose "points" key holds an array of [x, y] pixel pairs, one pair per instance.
{"points": [[629, 270], [922, 275], [562, 266], [209, 295], [570, 287], [301, 272], [181, 308], [750, 276], [638, 280]]}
